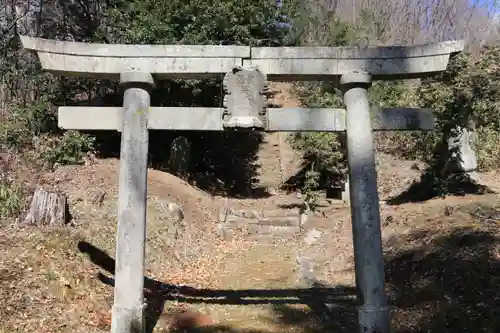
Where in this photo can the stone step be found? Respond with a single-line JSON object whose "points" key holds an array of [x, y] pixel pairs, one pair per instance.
{"points": [[230, 214], [277, 221], [267, 213], [273, 231], [259, 223], [258, 231]]}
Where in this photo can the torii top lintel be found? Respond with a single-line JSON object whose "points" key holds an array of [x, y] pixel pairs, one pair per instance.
{"points": [[278, 63]]}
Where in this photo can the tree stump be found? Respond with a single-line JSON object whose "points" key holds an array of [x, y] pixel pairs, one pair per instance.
{"points": [[47, 208]]}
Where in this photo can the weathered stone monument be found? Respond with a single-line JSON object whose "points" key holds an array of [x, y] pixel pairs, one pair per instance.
{"points": [[461, 146], [246, 71]]}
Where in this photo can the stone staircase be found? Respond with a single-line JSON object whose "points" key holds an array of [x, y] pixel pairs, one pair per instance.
{"points": [[268, 217]]}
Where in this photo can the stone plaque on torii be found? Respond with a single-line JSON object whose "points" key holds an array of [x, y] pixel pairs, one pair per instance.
{"points": [[246, 72]]}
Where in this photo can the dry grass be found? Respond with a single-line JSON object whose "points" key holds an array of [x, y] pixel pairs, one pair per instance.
{"points": [[46, 285], [49, 285], [443, 275]]}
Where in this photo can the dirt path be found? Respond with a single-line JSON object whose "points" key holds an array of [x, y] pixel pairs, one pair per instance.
{"points": [[271, 173]]}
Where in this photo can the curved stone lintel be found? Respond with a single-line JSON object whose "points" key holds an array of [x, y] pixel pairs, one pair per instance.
{"points": [[134, 50], [112, 67], [325, 69], [349, 52], [278, 63], [320, 63]]}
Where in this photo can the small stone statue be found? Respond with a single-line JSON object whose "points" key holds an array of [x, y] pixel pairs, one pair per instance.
{"points": [[180, 155], [462, 152]]}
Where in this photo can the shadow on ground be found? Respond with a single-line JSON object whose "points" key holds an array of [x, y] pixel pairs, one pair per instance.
{"points": [[448, 284], [444, 279], [431, 186], [444, 175], [330, 308]]}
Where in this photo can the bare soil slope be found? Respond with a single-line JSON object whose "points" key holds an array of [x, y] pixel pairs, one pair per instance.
{"points": [[442, 257]]}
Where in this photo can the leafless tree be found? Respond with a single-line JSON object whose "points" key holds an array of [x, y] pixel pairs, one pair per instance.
{"points": [[417, 21]]}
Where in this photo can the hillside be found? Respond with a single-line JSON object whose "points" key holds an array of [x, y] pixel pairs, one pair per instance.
{"points": [[441, 255]]}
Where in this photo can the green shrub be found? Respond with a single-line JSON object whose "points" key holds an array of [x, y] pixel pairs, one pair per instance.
{"points": [[70, 148], [324, 153], [22, 124], [33, 131], [11, 198], [488, 152]]}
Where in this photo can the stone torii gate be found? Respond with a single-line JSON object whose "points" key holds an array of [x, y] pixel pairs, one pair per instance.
{"points": [[246, 73]]}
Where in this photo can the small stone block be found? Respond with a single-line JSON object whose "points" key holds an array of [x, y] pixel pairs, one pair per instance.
{"points": [[266, 230], [267, 213], [279, 222]]}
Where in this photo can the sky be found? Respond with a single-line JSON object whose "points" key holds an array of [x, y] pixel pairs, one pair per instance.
{"points": [[489, 3]]}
